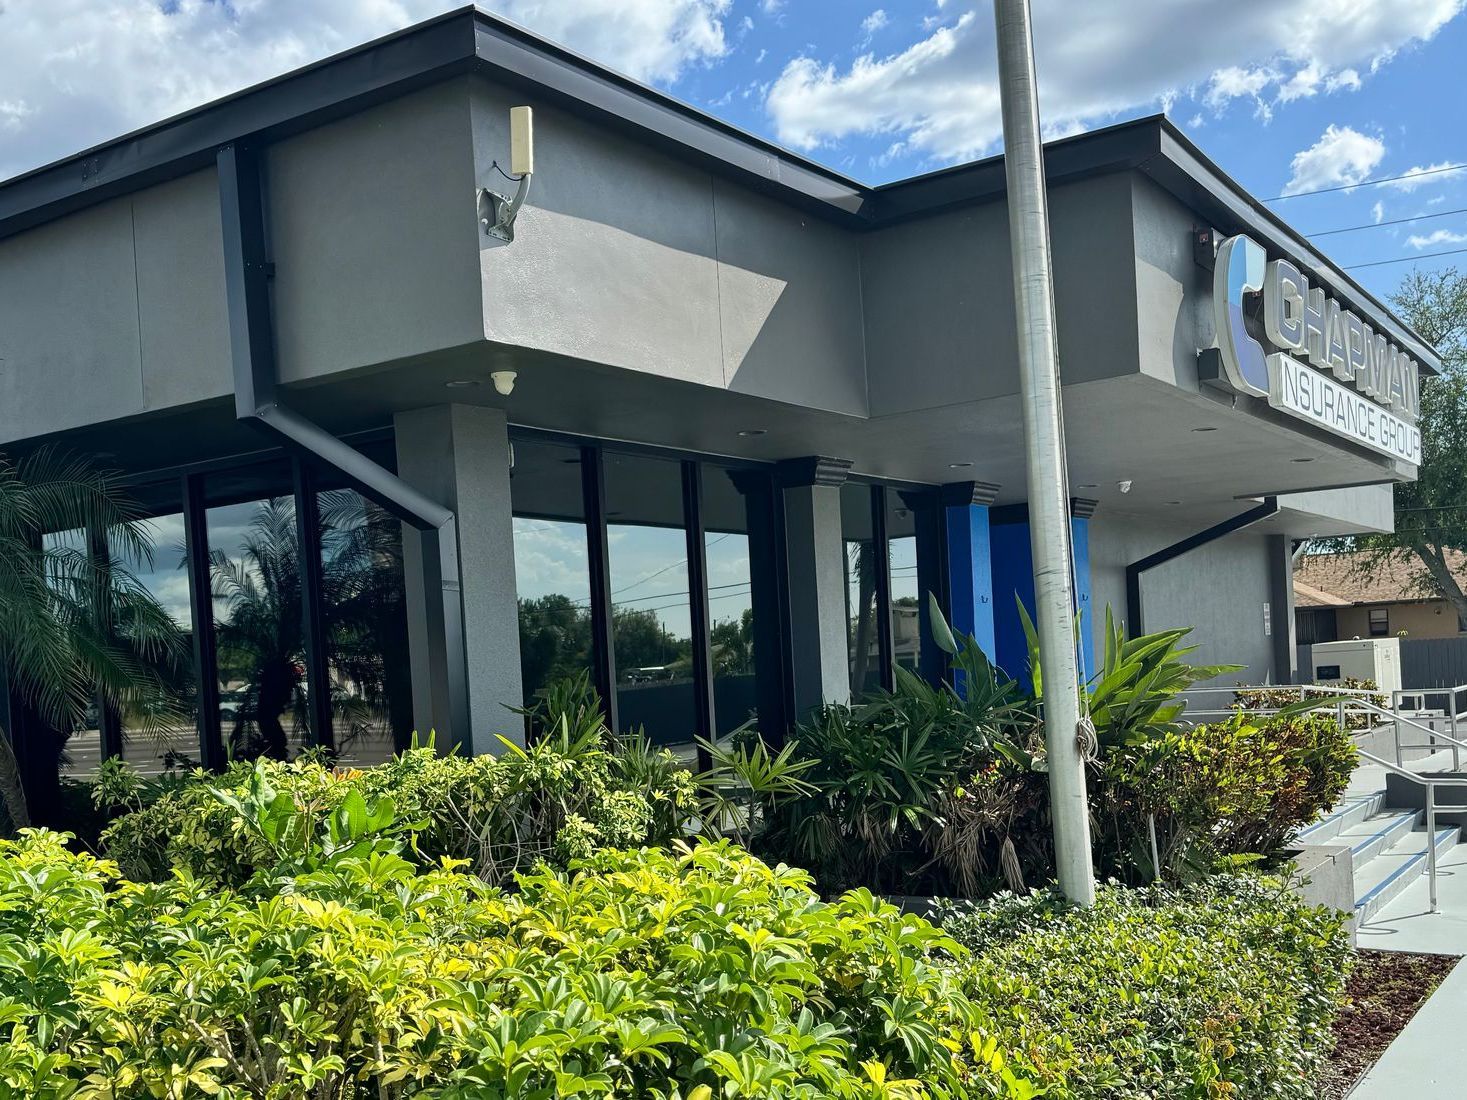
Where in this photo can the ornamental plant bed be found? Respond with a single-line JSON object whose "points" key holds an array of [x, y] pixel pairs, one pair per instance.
{"points": [[1385, 989]]}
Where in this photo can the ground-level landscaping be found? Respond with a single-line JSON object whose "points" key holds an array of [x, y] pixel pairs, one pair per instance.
{"points": [[585, 917], [1385, 990]]}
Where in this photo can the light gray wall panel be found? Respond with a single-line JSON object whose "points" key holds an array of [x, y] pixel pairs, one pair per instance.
{"points": [[69, 324], [1174, 293], [181, 305], [625, 257], [938, 297], [374, 231], [790, 303], [613, 256], [1219, 590]]}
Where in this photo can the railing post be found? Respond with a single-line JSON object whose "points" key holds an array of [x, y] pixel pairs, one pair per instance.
{"points": [[1456, 750], [1431, 840]]}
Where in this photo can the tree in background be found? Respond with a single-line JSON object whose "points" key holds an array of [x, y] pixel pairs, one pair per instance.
{"points": [[1431, 512]]}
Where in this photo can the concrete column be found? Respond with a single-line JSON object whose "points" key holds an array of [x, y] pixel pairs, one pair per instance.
{"points": [[459, 455], [1281, 609], [970, 561], [1013, 581], [817, 581]]}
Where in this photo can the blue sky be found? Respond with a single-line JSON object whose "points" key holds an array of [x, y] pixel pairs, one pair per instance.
{"points": [[1283, 97]]}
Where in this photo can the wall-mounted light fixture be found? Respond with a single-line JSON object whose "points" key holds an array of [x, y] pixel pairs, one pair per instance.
{"points": [[497, 212]]}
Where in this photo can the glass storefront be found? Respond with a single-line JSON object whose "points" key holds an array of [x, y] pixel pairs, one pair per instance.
{"points": [[551, 563], [651, 604], [637, 569], [164, 736]]}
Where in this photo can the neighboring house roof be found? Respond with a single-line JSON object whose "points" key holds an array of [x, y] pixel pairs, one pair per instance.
{"points": [[1344, 580]]}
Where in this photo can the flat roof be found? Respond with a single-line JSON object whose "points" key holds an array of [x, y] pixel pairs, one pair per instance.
{"points": [[472, 41]]}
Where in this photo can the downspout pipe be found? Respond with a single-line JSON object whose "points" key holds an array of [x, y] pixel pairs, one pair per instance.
{"points": [[257, 400], [1134, 621]]}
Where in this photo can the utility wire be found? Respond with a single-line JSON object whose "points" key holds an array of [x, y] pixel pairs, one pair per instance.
{"points": [[1382, 225], [1407, 259], [1369, 183]]}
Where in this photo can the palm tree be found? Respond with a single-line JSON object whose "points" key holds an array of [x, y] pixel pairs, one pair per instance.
{"points": [[77, 629]]}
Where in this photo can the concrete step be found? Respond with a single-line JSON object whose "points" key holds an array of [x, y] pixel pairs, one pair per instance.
{"points": [[1390, 871], [1376, 834], [1351, 811]]}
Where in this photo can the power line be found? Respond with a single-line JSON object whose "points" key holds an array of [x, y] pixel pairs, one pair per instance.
{"points": [[1382, 225], [1368, 183], [1407, 259]]}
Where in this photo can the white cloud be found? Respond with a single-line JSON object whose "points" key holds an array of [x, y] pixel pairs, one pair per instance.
{"points": [[1342, 156], [1378, 212], [939, 95], [77, 72], [1423, 176], [1441, 236], [873, 23]]}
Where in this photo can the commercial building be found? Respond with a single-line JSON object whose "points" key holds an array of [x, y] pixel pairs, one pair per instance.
{"points": [[758, 410]]}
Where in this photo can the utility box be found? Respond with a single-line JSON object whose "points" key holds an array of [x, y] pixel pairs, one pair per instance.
{"points": [[1377, 659]]}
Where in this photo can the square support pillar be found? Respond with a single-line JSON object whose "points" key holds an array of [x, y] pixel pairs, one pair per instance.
{"points": [[1013, 576], [459, 456], [819, 647], [970, 561], [1281, 609]]}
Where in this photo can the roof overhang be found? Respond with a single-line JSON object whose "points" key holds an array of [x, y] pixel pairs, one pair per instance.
{"points": [[471, 41]]}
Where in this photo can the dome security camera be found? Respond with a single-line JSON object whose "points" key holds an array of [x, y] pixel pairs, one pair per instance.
{"points": [[503, 381]]}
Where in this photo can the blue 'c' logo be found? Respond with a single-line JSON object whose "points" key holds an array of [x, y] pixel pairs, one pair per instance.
{"points": [[1239, 270]]}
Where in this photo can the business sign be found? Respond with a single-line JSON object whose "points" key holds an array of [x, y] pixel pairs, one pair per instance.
{"points": [[1310, 357]]}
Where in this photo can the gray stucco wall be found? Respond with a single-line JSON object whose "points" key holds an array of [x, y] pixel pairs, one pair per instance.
{"points": [[1219, 590], [626, 257], [939, 309], [120, 309], [114, 311], [1173, 292], [374, 224]]}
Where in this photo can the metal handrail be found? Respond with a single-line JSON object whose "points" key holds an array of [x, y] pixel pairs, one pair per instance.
{"points": [[1319, 689], [1431, 783], [1435, 736]]}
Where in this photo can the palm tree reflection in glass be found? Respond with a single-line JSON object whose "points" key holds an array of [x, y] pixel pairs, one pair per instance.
{"points": [[258, 610]]}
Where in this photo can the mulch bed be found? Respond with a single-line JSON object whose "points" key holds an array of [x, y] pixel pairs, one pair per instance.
{"points": [[1384, 991]]}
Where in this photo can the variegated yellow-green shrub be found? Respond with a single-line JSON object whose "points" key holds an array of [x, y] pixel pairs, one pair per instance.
{"points": [[349, 973]]}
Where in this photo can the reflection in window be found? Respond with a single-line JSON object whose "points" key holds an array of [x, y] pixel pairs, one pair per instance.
{"points": [[651, 609], [163, 734], [552, 570], [730, 604], [255, 566], [863, 638], [80, 745], [901, 534], [364, 620]]}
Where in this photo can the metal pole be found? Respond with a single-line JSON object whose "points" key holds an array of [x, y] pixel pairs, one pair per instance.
{"points": [[1431, 840], [1049, 506]]}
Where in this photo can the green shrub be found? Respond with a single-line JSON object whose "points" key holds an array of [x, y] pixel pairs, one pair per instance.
{"points": [[554, 801], [1220, 989], [896, 786], [641, 974], [1225, 789], [1277, 698]]}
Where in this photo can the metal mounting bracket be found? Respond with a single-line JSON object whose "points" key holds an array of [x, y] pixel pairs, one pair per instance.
{"points": [[497, 212]]}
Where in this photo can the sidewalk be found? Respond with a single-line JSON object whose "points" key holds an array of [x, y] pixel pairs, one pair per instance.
{"points": [[1428, 1059]]}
